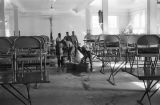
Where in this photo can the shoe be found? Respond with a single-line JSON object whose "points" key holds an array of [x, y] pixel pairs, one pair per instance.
{"points": [[58, 69]]}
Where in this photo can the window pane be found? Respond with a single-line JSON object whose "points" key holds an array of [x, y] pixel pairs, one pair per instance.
{"points": [[143, 19], [112, 21], [113, 25], [96, 29], [138, 22]]}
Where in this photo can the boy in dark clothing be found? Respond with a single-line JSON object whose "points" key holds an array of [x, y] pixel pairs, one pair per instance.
{"points": [[86, 54]]}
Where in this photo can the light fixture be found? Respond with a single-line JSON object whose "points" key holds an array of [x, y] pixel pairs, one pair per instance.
{"points": [[52, 3]]}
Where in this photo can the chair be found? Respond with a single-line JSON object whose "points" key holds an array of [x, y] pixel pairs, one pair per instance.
{"points": [[6, 65], [148, 44], [21, 63], [42, 41], [148, 49], [8, 74], [47, 44], [101, 47], [44, 48], [46, 38], [123, 40], [131, 58], [29, 60], [89, 38], [111, 55]]}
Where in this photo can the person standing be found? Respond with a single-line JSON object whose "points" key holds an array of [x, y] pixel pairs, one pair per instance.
{"points": [[68, 37], [74, 41], [59, 50]]}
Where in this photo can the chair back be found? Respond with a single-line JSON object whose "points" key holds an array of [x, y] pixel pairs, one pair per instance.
{"points": [[111, 40], [27, 42], [148, 44], [132, 39], [42, 40], [5, 45], [148, 40], [13, 38], [46, 38], [91, 38], [123, 38]]}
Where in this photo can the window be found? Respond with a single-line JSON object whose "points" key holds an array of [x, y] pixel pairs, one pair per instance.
{"points": [[7, 28], [138, 22], [96, 28], [113, 25]]}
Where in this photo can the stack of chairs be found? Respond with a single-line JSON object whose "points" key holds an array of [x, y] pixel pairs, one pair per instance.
{"points": [[22, 61], [6, 61], [45, 46], [110, 55], [148, 50], [138, 55], [47, 43], [131, 58], [30, 60], [142, 55]]}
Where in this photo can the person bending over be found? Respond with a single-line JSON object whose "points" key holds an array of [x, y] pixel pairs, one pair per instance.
{"points": [[69, 48], [86, 54]]}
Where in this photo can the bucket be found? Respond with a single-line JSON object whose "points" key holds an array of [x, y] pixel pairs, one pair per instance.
{"points": [[70, 67], [82, 67]]}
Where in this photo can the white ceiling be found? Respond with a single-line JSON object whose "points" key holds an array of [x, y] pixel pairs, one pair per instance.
{"points": [[63, 6], [44, 5], [120, 4]]}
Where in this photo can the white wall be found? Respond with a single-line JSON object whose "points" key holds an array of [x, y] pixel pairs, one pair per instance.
{"points": [[158, 18], [68, 23], [2, 19], [40, 25], [138, 10], [123, 17], [154, 16], [34, 25], [9, 17]]}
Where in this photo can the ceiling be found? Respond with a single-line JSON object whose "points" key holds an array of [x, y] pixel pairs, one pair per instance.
{"points": [[120, 4], [45, 5], [68, 6], [61, 5]]}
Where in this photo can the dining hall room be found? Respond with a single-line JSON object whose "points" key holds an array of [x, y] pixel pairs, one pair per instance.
{"points": [[79, 52]]}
